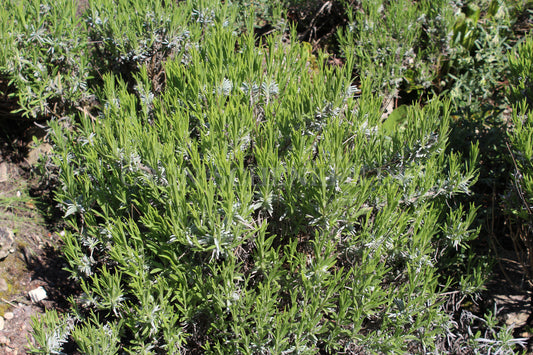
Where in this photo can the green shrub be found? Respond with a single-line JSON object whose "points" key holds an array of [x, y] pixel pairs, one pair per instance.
{"points": [[521, 67], [50, 332], [44, 56], [399, 44], [520, 198], [229, 194], [478, 61], [519, 202], [257, 206], [123, 42]]}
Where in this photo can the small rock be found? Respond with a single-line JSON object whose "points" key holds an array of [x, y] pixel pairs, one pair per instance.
{"points": [[38, 294], [36, 153], [8, 315], [7, 240], [526, 335], [4, 176], [3, 285], [2, 323], [4, 340]]}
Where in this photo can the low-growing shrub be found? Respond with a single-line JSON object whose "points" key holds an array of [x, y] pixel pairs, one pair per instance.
{"points": [[399, 44], [230, 193], [44, 56], [125, 35], [519, 201], [521, 69], [257, 205]]}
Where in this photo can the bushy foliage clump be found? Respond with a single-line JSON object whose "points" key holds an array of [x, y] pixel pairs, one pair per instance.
{"points": [[53, 55], [519, 202], [43, 56], [400, 44], [257, 205], [521, 69], [125, 35], [226, 193]]}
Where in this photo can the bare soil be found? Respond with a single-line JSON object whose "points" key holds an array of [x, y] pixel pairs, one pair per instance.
{"points": [[26, 209]]}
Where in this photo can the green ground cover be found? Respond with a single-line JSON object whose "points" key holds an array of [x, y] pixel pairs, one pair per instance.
{"points": [[231, 193]]}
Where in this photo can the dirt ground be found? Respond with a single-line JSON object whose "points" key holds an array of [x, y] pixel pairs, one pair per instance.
{"points": [[33, 261]]}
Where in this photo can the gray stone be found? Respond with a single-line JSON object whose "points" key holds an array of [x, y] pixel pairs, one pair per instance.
{"points": [[38, 294], [3, 285], [4, 176], [36, 153], [9, 315], [7, 242]]}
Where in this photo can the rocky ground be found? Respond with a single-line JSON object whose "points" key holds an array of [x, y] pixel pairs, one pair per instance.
{"points": [[31, 275]]}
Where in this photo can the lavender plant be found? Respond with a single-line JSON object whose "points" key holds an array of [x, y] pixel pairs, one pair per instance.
{"points": [[399, 44], [45, 57], [124, 43], [50, 332], [521, 66], [520, 193], [230, 197], [257, 206]]}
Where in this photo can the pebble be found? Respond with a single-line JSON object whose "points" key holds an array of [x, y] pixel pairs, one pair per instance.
{"points": [[4, 176], [7, 240], [37, 294], [4, 340], [3, 285], [2, 323], [8, 315]]}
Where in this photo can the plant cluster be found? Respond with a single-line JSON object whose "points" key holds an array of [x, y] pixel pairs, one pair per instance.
{"points": [[230, 194], [400, 44], [257, 206], [43, 57], [521, 67], [474, 80], [124, 42], [52, 58], [520, 195]]}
